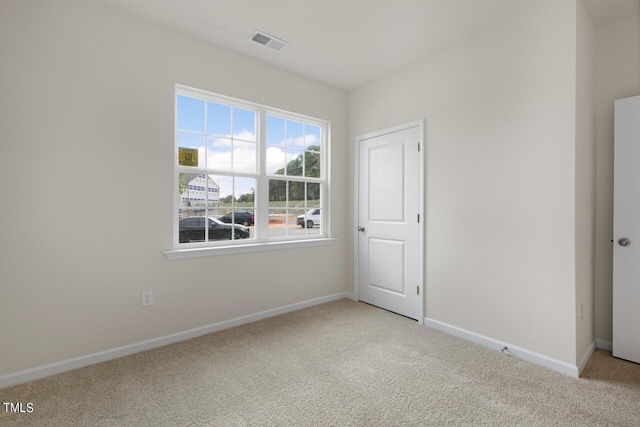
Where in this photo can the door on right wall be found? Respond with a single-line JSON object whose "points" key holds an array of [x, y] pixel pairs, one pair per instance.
{"points": [[626, 230], [389, 236]]}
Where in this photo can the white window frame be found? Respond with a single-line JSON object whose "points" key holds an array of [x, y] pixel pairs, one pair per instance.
{"points": [[261, 240]]}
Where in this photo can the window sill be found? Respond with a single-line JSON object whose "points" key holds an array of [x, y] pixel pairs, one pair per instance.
{"points": [[251, 247]]}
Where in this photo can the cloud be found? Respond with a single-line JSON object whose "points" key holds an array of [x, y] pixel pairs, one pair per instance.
{"points": [[225, 140], [275, 159], [219, 156], [300, 141], [244, 158]]}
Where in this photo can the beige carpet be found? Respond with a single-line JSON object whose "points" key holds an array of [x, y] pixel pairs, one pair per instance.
{"points": [[338, 364]]}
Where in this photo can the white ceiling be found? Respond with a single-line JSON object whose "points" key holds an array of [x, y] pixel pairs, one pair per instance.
{"points": [[344, 43]]}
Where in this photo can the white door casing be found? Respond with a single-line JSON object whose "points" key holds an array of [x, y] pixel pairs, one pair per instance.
{"points": [[626, 230], [389, 219]]}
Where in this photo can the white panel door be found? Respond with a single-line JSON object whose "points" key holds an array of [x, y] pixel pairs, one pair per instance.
{"points": [[388, 238], [626, 230]]}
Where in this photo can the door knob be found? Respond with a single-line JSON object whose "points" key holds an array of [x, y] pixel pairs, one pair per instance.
{"points": [[360, 228], [624, 242]]}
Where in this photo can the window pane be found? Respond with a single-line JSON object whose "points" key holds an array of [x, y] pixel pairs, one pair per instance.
{"points": [[275, 131], [277, 207], [313, 218], [277, 192], [217, 212], [188, 192], [213, 193], [287, 208], [296, 194], [276, 161], [218, 119], [312, 139], [245, 192], [244, 156], [226, 212], [294, 135], [244, 124], [277, 222], [312, 164], [244, 207], [219, 153], [225, 191], [190, 113], [295, 223], [192, 190], [182, 203], [192, 140], [191, 227], [294, 162], [313, 195], [219, 230]]}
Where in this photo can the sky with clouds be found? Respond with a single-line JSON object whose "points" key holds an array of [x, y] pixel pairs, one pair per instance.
{"points": [[225, 138]]}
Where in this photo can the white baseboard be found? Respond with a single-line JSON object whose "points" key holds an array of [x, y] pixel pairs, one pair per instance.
{"points": [[604, 345], [524, 354], [585, 357], [103, 356]]}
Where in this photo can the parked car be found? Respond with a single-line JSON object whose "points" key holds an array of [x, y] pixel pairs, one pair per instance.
{"points": [[191, 229], [240, 217], [309, 219]]}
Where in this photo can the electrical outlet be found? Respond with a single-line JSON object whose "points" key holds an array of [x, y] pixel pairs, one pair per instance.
{"points": [[147, 298]]}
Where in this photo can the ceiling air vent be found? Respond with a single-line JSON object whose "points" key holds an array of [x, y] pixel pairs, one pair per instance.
{"points": [[268, 41]]}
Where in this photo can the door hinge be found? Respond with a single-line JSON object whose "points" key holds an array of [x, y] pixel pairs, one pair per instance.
{"points": [[418, 289], [418, 218], [418, 146]]}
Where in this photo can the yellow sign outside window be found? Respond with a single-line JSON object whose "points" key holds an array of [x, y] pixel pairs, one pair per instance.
{"points": [[187, 156]]}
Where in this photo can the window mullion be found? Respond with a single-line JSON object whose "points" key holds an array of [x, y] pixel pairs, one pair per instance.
{"points": [[262, 205], [306, 197], [206, 176], [233, 112], [286, 208], [296, 178], [325, 225]]}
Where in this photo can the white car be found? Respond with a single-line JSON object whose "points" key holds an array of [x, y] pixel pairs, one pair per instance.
{"points": [[309, 219]]}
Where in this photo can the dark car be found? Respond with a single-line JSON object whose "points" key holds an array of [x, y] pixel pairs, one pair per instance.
{"points": [[239, 217], [192, 230]]}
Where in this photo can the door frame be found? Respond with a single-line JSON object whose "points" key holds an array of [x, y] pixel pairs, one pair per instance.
{"points": [[420, 124]]}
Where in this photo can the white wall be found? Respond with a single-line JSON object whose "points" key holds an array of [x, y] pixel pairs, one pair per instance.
{"points": [[500, 176], [585, 182], [88, 101], [617, 76]]}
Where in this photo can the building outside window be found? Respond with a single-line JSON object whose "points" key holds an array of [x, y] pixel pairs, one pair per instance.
{"points": [[194, 192]]}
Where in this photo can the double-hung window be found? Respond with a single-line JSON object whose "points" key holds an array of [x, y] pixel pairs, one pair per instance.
{"points": [[246, 173]]}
